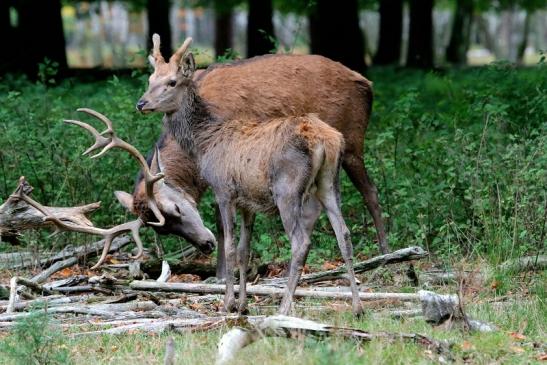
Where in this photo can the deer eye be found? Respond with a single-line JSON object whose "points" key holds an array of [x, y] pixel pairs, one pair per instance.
{"points": [[172, 83]]}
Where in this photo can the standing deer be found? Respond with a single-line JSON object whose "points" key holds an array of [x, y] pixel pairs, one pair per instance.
{"points": [[289, 164], [262, 88]]}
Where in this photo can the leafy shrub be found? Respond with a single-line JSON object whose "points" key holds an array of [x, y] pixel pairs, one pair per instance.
{"points": [[34, 341]]}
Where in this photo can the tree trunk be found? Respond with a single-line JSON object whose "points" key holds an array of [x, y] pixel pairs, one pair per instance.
{"points": [[7, 35], [335, 33], [158, 22], [42, 35], [524, 43], [391, 32], [223, 31], [420, 37], [456, 52], [260, 31]]}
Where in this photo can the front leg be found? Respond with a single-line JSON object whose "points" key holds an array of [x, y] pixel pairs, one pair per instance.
{"points": [[227, 214], [221, 259], [243, 253]]}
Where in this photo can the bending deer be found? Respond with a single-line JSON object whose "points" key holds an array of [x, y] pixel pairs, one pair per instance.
{"points": [[262, 88], [289, 164]]}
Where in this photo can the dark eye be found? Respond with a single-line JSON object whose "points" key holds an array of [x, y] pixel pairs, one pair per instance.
{"points": [[172, 83]]}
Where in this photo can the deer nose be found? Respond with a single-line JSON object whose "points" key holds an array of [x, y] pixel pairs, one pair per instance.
{"points": [[140, 104]]}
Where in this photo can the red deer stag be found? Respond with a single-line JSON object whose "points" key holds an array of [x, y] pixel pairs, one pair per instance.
{"points": [[263, 88], [289, 164]]}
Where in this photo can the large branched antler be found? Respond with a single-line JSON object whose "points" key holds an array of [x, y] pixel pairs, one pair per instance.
{"points": [[105, 140], [108, 140]]}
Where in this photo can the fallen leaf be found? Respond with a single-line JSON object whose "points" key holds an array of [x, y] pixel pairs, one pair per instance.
{"points": [[517, 336], [466, 346], [542, 357]]}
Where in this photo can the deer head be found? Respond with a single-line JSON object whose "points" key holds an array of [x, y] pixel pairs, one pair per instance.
{"points": [[163, 95], [179, 209]]}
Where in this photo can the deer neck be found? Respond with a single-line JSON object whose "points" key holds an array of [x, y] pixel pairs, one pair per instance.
{"points": [[191, 121]]}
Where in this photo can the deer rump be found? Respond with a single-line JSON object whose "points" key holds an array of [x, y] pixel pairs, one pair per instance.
{"points": [[236, 162], [263, 88]]}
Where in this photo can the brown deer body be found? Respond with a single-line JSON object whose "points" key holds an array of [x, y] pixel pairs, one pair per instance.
{"points": [[268, 87], [289, 164]]}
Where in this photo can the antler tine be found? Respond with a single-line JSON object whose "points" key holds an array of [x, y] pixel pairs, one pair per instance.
{"points": [[99, 116], [100, 141], [177, 56], [133, 227]]}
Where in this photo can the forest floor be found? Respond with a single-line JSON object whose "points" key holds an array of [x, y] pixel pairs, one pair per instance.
{"points": [[520, 316]]}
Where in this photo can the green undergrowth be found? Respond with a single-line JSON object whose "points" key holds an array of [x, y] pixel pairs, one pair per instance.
{"points": [[459, 158], [519, 340]]}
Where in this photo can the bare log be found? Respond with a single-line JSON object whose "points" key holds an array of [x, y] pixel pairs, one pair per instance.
{"points": [[14, 287], [266, 290], [291, 327], [16, 215], [58, 266], [25, 260], [528, 263], [405, 254], [113, 311]]}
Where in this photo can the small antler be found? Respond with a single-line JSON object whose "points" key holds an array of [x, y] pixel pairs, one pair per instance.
{"points": [[108, 140], [156, 53], [177, 56]]}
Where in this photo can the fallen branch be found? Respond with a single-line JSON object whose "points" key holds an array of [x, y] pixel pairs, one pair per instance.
{"points": [[290, 327], [405, 254], [528, 263], [16, 215], [25, 260], [266, 290], [58, 266], [14, 283]]}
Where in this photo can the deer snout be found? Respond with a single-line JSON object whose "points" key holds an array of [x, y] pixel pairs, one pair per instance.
{"points": [[140, 104]]}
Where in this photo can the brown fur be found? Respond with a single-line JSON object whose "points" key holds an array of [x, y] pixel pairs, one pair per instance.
{"points": [[273, 86]]}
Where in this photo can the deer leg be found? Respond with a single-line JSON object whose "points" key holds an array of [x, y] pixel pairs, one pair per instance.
{"points": [[290, 210], [311, 210], [227, 213], [329, 195], [355, 168], [221, 259], [243, 252]]}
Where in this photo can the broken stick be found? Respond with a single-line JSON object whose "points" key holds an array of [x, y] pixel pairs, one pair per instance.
{"points": [[405, 254], [266, 290]]}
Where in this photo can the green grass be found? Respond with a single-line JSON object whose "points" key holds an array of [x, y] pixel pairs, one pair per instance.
{"points": [[527, 319]]}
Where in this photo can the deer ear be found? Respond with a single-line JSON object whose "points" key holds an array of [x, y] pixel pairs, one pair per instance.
{"points": [[157, 165], [126, 200], [188, 65], [152, 61]]}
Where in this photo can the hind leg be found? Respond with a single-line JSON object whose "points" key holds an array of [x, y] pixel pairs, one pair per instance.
{"points": [[289, 200], [355, 168], [243, 252], [227, 213], [329, 195]]}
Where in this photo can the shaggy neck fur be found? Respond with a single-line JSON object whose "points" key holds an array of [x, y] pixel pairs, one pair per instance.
{"points": [[190, 122]]}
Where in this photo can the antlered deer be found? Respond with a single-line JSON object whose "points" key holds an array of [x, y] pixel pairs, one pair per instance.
{"points": [[288, 164], [262, 88]]}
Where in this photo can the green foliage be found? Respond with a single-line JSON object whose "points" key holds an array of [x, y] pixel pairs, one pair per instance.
{"points": [[459, 159], [34, 341]]}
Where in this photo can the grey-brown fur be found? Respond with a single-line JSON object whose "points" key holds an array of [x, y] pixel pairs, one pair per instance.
{"points": [[289, 164]]}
